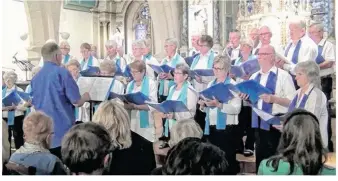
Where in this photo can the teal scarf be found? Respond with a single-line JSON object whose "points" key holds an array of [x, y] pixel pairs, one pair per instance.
{"points": [[147, 57], [144, 115], [221, 117], [11, 114], [182, 97], [90, 62], [171, 82], [66, 59], [210, 60], [28, 90]]}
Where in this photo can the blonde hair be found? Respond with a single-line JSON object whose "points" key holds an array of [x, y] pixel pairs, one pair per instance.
{"points": [[184, 129], [138, 65], [36, 127], [108, 65], [224, 61], [115, 119]]}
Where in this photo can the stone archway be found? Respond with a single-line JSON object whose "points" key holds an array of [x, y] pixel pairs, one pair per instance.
{"points": [[43, 18]]}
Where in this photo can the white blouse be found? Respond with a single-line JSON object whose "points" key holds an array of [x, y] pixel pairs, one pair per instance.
{"points": [[147, 133]]}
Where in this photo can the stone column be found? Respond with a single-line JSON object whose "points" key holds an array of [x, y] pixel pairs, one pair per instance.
{"points": [[184, 30], [104, 25], [216, 28]]}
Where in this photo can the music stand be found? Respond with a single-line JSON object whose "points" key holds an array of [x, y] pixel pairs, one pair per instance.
{"points": [[24, 65]]}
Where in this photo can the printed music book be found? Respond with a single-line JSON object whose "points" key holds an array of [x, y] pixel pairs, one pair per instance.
{"points": [[10, 99], [253, 89], [169, 106], [97, 87], [222, 92], [137, 98], [247, 68], [201, 72], [271, 119], [90, 71], [163, 68]]}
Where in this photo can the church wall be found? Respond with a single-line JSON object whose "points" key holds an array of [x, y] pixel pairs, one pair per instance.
{"points": [[15, 22], [80, 27]]}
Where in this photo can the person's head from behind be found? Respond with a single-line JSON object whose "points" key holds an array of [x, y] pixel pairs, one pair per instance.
{"points": [[184, 129], [85, 50], [86, 149], [193, 157], [10, 79], [38, 129], [74, 67], [301, 142], [51, 52], [113, 116]]}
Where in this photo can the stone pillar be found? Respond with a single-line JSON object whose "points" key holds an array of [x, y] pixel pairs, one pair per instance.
{"points": [[216, 30], [184, 30]]}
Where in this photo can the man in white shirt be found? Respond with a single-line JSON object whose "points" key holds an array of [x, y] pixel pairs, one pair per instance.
{"points": [[281, 85], [300, 49], [233, 47], [325, 59]]}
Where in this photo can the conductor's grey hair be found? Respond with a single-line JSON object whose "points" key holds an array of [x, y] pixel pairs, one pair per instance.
{"points": [[184, 129], [311, 70], [49, 50]]}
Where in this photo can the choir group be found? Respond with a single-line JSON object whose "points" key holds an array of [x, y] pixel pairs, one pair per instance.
{"points": [[268, 91]]}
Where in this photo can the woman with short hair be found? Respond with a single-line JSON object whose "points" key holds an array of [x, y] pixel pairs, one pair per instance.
{"points": [[309, 96], [133, 155], [87, 58], [142, 121], [38, 129], [13, 115], [301, 149]]}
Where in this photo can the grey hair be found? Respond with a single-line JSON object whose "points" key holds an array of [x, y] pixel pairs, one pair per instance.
{"points": [[264, 26], [111, 43], [108, 64], [184, 129], [172, 41], [300, 22], [183, 67], [224, 60], [319, 26], [65, 43], [73, 62], [139, 43], [311, 70], [49, 50], [10, 75]]}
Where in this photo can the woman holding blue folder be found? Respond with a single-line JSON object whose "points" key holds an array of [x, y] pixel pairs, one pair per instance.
{"points": [[181, 91], [142, 121], [221, 122], [13, 115]]}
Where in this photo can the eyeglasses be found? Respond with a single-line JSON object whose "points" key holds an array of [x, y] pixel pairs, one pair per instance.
{"points": [[263, 34], [202, 45], [178, 73], [264, 54], [217, 68], [135, 72]]}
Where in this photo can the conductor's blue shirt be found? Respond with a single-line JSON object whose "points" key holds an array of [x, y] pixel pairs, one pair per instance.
{"points": [[54, 92]]}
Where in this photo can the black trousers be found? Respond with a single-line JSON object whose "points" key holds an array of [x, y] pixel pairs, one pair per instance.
{"points": [[266, 144], [246, 129], [56, 151], [326, 83], [200, 117], [225, 140], [17, 131]]}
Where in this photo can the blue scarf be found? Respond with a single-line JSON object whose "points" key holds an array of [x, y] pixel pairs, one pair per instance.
{"points": [[3, 86], [221, 117], [66, 59], [171, 82], [147, 57], [144, 115], [182, 97], [295, 52], [293, 104], [11, 114], [267, 107], [197, 58], [108, 93], [320, 59], [90, 62], [28, 90]]}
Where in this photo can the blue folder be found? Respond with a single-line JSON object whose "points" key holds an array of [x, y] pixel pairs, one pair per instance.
{"points": [[163, 68], [10, 99], [118, 71], [137, 98], [247, 68], [90, 71], [220, 91], [169, 106], [25, 96], [201, 72], [127, 72], [253, 89]]}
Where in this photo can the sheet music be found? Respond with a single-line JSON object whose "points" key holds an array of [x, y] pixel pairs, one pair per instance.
{"points": [[264, 115], [85, 84], [100, 88], [282, 57], [325, 72]]}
